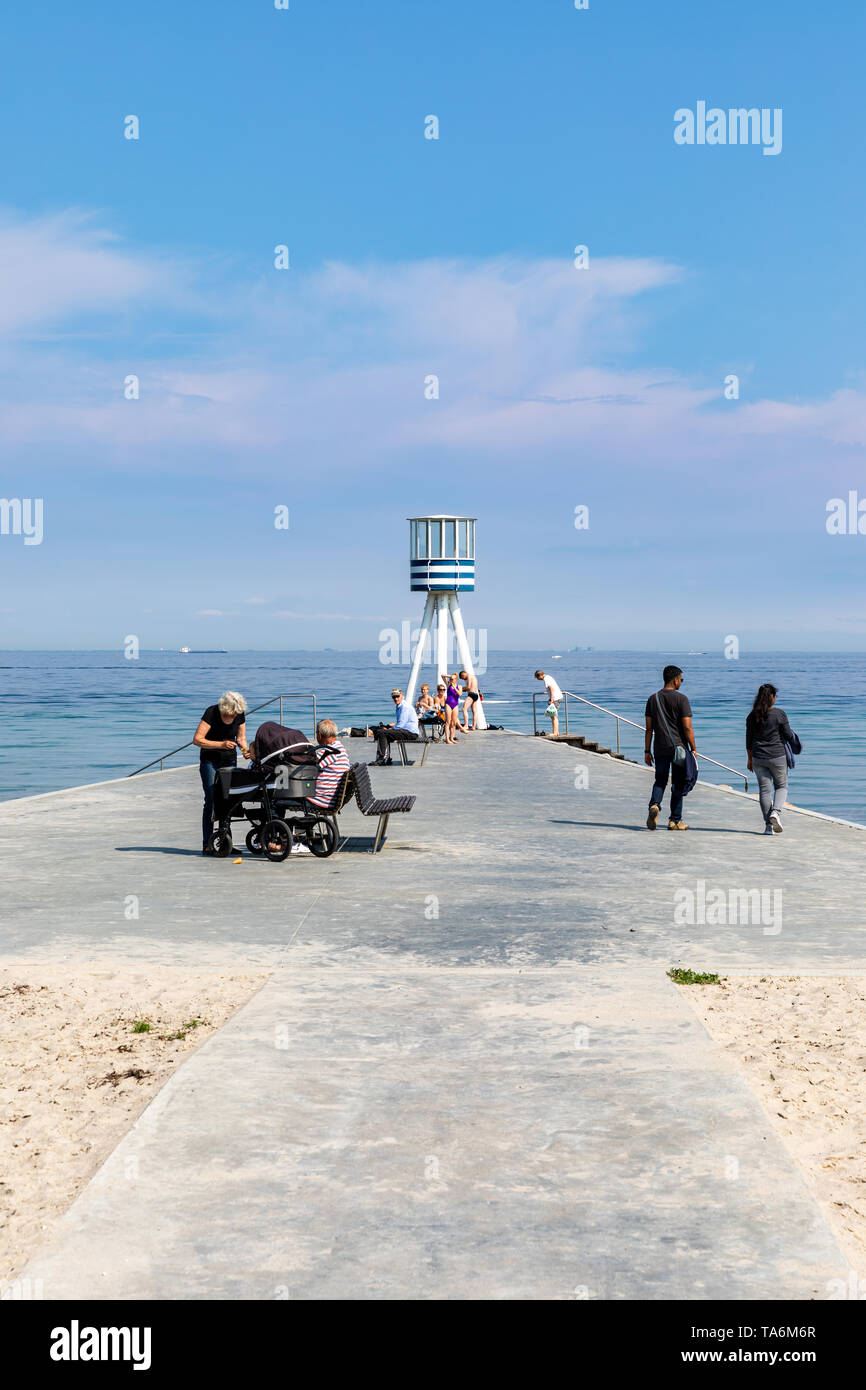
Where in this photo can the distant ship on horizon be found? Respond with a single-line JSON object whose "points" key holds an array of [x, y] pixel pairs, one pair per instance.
{"points": [[217, 651]]}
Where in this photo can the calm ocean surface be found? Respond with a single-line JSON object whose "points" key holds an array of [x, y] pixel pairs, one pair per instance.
{"points": [[76, 717]]}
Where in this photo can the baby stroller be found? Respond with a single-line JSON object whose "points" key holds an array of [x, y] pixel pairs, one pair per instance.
{"points": [[272, 790]]}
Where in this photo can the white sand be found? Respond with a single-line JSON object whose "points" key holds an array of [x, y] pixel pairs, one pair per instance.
{"points": [[801, 1042], [66, 1100], [66, 1041]]}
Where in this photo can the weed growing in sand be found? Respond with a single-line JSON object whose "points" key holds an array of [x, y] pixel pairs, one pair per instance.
{"points": [[141, 1025], [691, 977], [183, 1030]]}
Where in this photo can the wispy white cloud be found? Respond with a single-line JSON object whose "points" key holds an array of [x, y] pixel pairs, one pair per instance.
{"points": [[54, 269], [532, 360]]}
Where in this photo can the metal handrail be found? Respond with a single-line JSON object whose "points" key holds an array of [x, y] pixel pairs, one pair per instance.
{"points": [[621, 718], [301, 695]]}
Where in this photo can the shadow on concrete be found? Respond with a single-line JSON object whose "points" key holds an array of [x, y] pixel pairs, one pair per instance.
{"points": [[641, 829], [353, 844], [156, 849], [363, 844]]}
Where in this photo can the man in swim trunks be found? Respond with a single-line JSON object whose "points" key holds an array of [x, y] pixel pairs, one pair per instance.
{"points": [[470, 690]]}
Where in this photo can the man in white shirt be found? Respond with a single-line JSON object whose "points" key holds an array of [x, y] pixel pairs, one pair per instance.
{"points": [[405, 728], [554, 696]]}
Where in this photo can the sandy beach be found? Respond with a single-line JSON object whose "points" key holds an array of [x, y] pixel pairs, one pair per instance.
{"points": [[801, 1042], [82, 1052]]}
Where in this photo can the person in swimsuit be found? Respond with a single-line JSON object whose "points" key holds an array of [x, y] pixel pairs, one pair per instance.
{"points": [[470, 690], [452, 704], [438, 715]]}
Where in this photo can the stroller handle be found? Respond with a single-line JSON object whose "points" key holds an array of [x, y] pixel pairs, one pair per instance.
{"points": [[278, 751], [332, 752]]}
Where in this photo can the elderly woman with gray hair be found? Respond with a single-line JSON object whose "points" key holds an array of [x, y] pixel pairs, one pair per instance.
{"points": [[222, 730]]}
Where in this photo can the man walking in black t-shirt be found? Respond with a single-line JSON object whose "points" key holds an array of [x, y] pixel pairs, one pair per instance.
{"points": [[668, 717]]}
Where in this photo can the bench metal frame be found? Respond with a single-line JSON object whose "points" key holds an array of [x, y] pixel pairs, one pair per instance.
{"points": [[410, 762]]}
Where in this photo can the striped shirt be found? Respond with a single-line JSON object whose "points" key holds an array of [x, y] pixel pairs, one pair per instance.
{"points": [[333, 767]]}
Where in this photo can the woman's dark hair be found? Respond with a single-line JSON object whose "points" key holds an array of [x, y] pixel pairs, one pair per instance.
{"points": [[763, 701]]}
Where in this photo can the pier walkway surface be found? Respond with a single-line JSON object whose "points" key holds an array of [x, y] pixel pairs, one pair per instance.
{"points": [[467, 1075]]}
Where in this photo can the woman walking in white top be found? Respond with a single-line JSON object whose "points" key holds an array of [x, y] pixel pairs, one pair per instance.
{"points": [[554, 695]]}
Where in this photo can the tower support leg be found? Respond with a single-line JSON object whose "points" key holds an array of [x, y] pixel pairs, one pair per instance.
{"points": [[424, 632], [442, 636], [465, 654]]}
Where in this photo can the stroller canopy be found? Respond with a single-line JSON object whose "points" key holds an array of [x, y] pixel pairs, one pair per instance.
{"points": [[274, 738]]}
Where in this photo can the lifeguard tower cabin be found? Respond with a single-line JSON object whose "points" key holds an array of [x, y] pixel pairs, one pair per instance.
{"points": [[442, 566]]}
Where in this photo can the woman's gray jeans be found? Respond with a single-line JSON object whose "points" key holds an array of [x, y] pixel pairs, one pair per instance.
{"points": [[772, 784]]}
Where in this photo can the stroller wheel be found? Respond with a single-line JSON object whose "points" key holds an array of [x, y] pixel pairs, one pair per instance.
{"points": [[221, 843], [322, 837], [276, 840], [254, 841]]}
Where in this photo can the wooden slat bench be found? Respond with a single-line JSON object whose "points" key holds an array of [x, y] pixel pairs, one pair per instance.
{"points": [[358, 780]]}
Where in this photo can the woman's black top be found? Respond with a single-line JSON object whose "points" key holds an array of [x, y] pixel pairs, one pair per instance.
{"points": [[218, 731], [766, 742]]}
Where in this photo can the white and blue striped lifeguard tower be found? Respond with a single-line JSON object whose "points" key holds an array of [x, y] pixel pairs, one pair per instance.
{"points": [[442, 566]]}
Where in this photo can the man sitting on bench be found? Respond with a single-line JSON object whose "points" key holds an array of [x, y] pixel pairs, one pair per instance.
{"points": [[405, 729], [332, 767]]}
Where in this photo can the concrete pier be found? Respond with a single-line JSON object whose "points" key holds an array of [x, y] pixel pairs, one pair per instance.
{"points": [[468, 1075]]}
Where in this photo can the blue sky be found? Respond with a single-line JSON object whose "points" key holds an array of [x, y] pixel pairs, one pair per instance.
{"points": [[409, 257]]}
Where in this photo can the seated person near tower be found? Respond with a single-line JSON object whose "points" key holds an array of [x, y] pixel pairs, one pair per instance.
{"points": [[404, 729], [430, 707]]}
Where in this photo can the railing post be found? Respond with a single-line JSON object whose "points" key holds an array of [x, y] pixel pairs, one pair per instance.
{"points": [[566, 711], [534, 716], [281, 709], [618, 749]]}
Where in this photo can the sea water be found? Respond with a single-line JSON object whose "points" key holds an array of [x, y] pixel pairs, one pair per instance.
{"points": [[78, 717]]}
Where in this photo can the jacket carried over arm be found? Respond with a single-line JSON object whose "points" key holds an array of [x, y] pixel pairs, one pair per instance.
{"points": [[767, 741]]}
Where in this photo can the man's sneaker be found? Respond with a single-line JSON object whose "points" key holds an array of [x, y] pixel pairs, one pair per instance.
{"points": [[768, 829], [652, 818], [677, 825], [775, 823], [298, 848], [377, 762]]}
